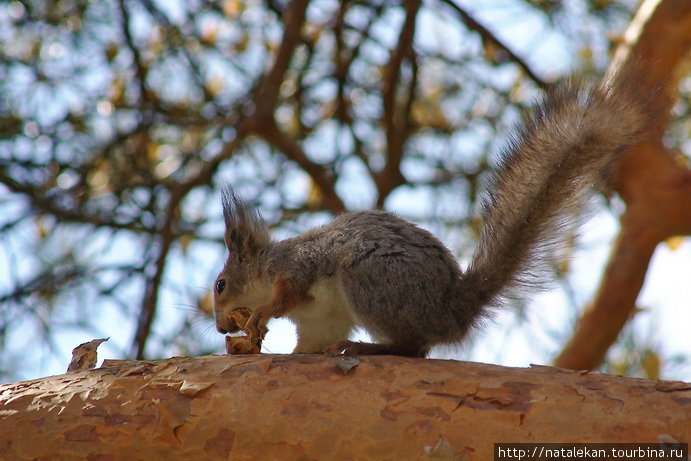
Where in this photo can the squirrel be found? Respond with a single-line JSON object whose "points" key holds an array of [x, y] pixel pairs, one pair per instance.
{"points": [[377, 271]]}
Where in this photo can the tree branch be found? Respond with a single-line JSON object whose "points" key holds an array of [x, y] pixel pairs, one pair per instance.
{"points": [[396, 118], [46, 205], [318, 173], [267, 92], [153, 281], [654, 186], [488, 36]]}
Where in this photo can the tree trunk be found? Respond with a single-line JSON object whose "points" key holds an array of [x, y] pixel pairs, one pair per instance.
{"points": [[315, 407]]}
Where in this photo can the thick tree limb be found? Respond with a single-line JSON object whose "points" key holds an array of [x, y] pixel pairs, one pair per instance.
{"points": [[306, 407], [655, 187]]}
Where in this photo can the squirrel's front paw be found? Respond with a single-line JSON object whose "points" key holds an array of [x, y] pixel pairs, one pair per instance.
{"points": [[256, 327]]}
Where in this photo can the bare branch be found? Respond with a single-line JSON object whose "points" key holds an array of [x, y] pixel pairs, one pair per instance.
{"points": [[396, 118], [490, 37]]}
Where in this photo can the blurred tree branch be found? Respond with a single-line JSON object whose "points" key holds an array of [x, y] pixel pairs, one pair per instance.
{"points": [[491, 40], [655, 185]]}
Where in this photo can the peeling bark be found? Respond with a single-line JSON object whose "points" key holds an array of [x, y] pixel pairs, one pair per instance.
{"points": [[307, 407]]}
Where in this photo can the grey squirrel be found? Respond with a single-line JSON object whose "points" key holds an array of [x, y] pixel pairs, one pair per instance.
{"points": [[377, 271]]}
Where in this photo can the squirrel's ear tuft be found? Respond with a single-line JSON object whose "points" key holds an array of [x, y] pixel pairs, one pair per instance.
{"points": [[246, 231]]}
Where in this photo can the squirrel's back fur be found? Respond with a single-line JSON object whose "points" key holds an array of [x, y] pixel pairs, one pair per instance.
{"points": [[401, 283]]}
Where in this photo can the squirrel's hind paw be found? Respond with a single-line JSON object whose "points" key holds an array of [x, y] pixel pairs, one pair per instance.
{"points": [[350, 348]]}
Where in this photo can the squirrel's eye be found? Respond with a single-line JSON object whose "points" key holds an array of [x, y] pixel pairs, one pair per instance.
{"points": [[220, 286]]}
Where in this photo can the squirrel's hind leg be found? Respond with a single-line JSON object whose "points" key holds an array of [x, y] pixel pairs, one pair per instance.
{"points": [[315, 339], [319, 325]]}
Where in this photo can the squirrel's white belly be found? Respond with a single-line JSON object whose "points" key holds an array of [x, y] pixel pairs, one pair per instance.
{"points": [[324, 320]]}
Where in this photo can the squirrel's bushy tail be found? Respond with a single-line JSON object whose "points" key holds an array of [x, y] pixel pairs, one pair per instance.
{"points": [[544, 180]]}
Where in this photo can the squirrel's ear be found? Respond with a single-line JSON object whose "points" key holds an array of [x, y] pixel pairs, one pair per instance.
{"points": [[246, 231], [231, 238]]}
